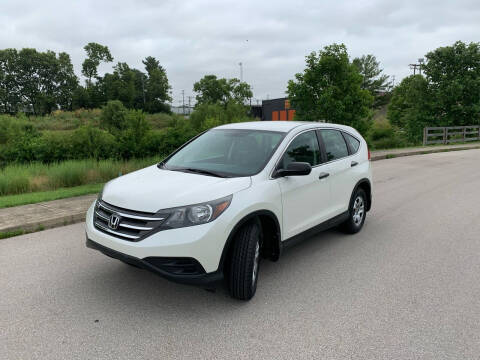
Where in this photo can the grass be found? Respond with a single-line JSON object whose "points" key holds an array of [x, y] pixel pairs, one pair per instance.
{"points": [[36, 197], [4, 235], [70, 120], [37, 177], [9, 234]]}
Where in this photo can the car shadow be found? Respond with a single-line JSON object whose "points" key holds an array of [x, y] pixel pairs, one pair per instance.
{"points": [[120, 285]]}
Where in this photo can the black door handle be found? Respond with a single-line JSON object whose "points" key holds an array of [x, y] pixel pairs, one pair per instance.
{"points": [[354, 163], [323, 175]]}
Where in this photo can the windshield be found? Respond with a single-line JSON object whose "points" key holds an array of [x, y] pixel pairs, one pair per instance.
{"points": [[226, 152]]}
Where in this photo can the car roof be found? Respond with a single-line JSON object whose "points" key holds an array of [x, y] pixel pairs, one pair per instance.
{"points": [[281, 126]]}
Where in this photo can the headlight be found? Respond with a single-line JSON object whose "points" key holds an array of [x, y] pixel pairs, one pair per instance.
{"points": [[195, 214]]}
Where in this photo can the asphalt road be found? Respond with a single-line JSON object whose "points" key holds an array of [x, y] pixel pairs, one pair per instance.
{"points": [[406, 287]]}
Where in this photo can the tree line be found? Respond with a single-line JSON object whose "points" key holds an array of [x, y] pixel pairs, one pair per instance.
{"points": [[334, 89], [37, 82], [331, 88]]}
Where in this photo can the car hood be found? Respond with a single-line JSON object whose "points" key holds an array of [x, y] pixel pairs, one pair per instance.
{"points": [[152, 189]]}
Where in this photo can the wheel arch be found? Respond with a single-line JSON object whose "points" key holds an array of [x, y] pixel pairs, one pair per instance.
{"points": [[367, 187], [271, 236]]}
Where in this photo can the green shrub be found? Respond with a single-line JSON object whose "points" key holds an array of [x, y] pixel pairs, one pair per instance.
{"points": [[383, 135], [161, 120], [207, 114], [91, 142], [52, 146], [131, 139], [11, 128], [114, 133], [114, 116]]}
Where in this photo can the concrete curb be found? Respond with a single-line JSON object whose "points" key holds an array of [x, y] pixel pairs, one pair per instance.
{"points": [[34, 226], [392, 155], [80, 204], [46, 215]]}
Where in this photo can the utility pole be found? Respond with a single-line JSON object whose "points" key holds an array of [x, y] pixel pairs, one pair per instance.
{"points": [[414, 67], [417, 66], [393, 81], [241, 71], [183, 102], [189, 104]]}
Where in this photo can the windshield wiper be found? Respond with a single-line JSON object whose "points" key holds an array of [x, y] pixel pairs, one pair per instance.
{"points": [[200, 171]]}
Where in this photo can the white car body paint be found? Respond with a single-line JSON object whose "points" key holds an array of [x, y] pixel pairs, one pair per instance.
{"points": [[298, 202]]}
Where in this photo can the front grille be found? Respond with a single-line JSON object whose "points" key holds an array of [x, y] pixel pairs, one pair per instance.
{"points": [[131, 225]]}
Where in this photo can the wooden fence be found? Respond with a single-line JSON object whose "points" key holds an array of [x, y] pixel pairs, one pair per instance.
{"points": [[450, 134]]}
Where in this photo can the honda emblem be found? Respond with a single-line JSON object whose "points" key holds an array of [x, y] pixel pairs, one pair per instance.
{"points": [[113, 221]]}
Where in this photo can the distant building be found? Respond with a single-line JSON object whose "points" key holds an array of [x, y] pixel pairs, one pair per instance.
{"points": [[277, 110], [256, 111], [181, 110]]}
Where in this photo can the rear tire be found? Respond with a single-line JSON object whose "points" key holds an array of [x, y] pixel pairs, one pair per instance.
{"points": [[357, 211], [245, 261]]}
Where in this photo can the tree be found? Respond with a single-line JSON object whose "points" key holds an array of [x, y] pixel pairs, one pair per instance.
{"points": [[67, 82], [373, 79], [448, 95], [135, 89], [36, 82], [156, 87], [411, 107], [10, 92], [330, 89], [211, 90], [96, 54], [453, 74], [120, 85]]}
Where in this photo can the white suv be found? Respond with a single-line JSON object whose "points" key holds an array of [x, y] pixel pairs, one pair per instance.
{"points": [[231, 196]]}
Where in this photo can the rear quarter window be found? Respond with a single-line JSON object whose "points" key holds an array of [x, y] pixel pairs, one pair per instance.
{"points": [[353, 142]]}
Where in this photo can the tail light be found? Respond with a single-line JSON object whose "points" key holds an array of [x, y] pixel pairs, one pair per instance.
{"points": [[368, 153]]}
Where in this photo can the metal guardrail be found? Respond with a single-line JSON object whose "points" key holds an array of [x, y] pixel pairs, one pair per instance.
{"points": [[450, 134]]}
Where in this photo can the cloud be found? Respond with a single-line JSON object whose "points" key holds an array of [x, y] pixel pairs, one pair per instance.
{"points": [[271, 38]]}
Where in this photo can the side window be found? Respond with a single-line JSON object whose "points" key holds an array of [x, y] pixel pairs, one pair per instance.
{"points": [[304, 148], [352, 142], [335, 145]]}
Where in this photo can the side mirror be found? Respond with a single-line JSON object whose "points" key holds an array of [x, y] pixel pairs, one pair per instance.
{"points": [[294, 169]]}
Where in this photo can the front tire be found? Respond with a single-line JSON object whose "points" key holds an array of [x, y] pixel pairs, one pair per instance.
{"points": [[357, 212], [245, 262]]}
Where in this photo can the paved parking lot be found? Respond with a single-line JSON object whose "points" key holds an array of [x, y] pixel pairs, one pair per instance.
{"points": [[406, 287]]}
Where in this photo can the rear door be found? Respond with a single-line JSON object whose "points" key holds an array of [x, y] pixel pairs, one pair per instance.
{"points": [[338, 166], [305, 199]]}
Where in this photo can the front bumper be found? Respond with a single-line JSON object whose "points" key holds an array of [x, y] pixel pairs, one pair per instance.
{"points": [[202, 245], [201, 279]]}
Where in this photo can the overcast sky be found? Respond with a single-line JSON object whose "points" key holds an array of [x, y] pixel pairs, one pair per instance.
{"points": [[271, 38]]}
